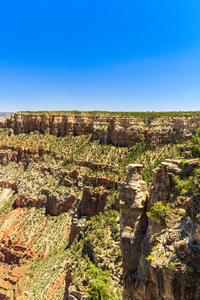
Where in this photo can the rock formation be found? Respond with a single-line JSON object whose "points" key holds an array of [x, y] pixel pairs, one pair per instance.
{"points": [[92, 202], [164, 262], [122, 131], [160, 255], [133, 200], [14, 252]]}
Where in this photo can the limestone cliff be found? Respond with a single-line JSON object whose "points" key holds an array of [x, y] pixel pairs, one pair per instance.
{"points": [[161, 259], [118, 130]]}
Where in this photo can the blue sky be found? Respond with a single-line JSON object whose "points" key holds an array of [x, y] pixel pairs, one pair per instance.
{"points": [[99, 55]]}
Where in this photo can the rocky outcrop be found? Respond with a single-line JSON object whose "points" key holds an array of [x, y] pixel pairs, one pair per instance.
{"points": [[77, 227], [165, 130], [37, 188], [14, 252], [8, 185], [133, 200], [92, 203], [20, 154], [57, 204], [2, 124], [118, 130], [164, 262], [14, 257], [24, 155], [103, 181]]}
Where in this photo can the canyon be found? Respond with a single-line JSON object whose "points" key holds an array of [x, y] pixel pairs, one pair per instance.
{"points": [[72, 214]]}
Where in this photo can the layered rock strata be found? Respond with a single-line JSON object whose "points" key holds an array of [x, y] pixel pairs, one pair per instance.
{"points": [[14, 252], [36, 187], [164, 262], [117, 130], [20, 154]]}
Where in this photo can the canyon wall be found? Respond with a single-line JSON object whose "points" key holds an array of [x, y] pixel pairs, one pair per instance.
{"points": [[118, 130], [161, 256]]}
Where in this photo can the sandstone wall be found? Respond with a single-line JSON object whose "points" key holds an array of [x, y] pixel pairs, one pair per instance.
{"points": [[118, 130], [160, 261]]}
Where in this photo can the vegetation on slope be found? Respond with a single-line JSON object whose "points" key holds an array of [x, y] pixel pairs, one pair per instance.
{"points": [[69, 150], [190, 185], [96, 250]]}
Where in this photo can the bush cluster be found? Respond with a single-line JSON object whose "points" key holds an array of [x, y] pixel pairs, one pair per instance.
{"points": [[163, 212]]}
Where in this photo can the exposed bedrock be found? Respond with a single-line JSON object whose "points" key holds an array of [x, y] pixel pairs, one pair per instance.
{"points": [[54, 203], [160, 261], [133, 200], [20, 154], [14, 251], [115, 129], [92, 202]]}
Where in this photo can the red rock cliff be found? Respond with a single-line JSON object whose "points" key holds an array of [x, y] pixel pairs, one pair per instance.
{"points": [[115, 129]]}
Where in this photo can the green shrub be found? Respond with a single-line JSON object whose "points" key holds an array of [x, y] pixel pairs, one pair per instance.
{"points": [[82, 235], [172, 265], [194, 145], [194, 242], [162, 211], [98, 283], [184, 163], [191, 271], [186, 186]]}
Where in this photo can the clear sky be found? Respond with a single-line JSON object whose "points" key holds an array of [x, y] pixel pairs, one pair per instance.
{"points": [[99, 55]]}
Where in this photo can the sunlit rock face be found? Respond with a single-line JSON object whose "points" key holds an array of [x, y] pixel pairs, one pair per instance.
{"points": [[133, 200], [160, 261], [118, 130]]}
